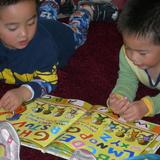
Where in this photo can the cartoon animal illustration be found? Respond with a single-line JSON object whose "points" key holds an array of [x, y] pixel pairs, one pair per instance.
{"points": [[144, 139], [102, 108], [60, 111], [132, 136], [88, 114], [141, 124], [42, 107], [121, 132], [38, 108], [76, 102], [111, 127], [71, 114], [49, 110], [98, 120]]}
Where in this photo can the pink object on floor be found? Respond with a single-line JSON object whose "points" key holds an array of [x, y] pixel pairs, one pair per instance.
{"points": [[10, 140]]}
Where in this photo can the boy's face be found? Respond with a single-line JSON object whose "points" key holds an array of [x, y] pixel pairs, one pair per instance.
{"points": [[18, 23], [142, 51]]}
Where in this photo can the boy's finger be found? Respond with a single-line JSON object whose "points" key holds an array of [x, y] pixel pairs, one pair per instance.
{"points": [[124, 108], [129, 117]]}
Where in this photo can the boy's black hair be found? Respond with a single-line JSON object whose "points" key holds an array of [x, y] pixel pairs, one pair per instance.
{"points": [[9, 2], [141, 18]]}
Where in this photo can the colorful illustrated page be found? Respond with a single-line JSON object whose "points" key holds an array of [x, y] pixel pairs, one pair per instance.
{"points": [[41, 122], [107, 138]]}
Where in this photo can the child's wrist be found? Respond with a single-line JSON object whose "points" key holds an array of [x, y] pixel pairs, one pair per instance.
{"points": [[119, 96], [148, 105], [29, 94]]}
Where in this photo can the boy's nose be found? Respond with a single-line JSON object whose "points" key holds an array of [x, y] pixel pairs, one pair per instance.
{"points": [[134, 57], [136, 62], [23, 33]]}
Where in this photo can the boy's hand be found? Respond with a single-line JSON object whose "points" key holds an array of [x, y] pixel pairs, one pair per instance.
{"points": [[135, 111], [118, 104], [14, 98]]}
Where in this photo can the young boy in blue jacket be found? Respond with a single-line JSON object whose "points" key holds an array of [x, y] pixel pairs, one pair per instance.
{"points": [[34, 44]]}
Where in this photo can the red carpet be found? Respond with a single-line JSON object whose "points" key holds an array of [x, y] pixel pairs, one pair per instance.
{"points": [[90, 75]]}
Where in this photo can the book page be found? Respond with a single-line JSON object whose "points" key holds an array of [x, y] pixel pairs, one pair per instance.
{"points": [[109, 137], [42, 120]]}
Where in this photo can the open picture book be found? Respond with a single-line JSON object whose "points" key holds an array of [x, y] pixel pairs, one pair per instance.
{"points": [[60, 126]]}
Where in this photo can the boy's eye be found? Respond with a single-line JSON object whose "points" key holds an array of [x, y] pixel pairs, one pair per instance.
{"points": [[142, 53], [32, 22], [127, 48], [12, 28]]}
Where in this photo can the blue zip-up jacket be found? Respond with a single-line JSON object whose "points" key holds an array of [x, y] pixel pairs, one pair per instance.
{"points": [[36, 65]]}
